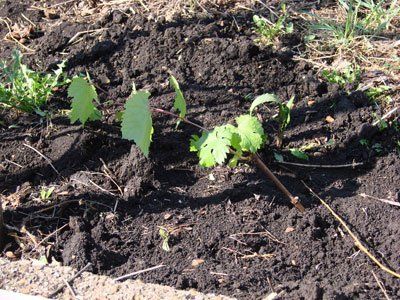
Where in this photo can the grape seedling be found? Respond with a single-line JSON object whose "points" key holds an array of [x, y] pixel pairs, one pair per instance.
{"points": [[213, 146]]}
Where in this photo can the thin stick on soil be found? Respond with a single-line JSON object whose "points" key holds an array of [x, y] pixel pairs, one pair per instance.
{"points": [[380, 199], [352, 165], [381, 286], [387, 115], [138, 272], [42, 155], [294, 200], [259, 163], [1, 226], [58, 290], [70, 289], [49, 236], [357, 242]]}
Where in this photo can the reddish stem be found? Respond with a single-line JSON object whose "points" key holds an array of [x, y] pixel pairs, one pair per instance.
{"points": [[165, 112], [260, 164]]}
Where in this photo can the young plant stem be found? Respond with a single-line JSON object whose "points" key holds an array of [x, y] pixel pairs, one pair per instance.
{"points": [[165, 112], [256, 159], [260, 164]]}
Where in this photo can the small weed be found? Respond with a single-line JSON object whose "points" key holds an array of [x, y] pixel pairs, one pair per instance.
{"points": [[379, 94], [377, 15], [45, 194], [25, 89], [355, 32], [364, 142], [164, 234], [349, 75], [298, 153], [271, 29], [377, 147], [382, 124], [284, 111]]}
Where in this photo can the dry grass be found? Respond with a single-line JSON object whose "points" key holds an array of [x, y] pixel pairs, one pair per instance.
{"points": [[376, 54], [151, 8]]}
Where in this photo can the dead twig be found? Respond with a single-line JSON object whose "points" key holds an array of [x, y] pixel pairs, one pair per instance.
{"points": [[43, 156], [49, 236], [263, 233], [357, 242], [108, 174], [13, 38], [70, 288], [387, 115], [138, 272], [13, 163], [381, 286], [58, 290], [1, 226], [352, 165], [380, 199], [78, 34], [256, 255]]}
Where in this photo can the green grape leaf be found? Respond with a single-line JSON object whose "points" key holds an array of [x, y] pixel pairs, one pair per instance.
{"points": [[251, 133], [179, 103], [137, 124], [262, 99], [82, 107], [213, 146]]}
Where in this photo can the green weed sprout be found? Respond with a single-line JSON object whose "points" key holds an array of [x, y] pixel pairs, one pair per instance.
{"points": [[45, 194], [24, 89], [349, 75], [271, 29], [284, 110], [164, 234]]}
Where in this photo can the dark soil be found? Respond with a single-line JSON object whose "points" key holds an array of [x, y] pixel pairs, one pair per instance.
{"points": [[222, 216]]}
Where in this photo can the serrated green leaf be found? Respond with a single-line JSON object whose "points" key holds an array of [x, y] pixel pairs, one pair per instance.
{"points": [[137, 124], [214, 146], [251, 133], [179, 103], [83, 94], [298, 153], [263, 99]]}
